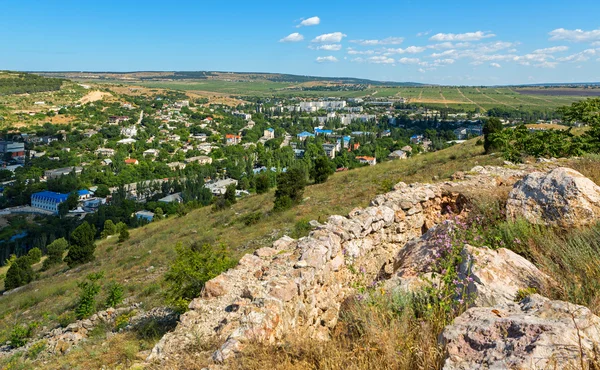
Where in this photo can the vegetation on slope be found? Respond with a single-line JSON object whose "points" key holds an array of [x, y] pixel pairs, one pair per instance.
{"points": [[26, 83]]}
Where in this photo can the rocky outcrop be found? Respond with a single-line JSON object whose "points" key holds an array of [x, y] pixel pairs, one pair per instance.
{"points": [[490, 276], [298, 286], [562, 197], [536, 333]]}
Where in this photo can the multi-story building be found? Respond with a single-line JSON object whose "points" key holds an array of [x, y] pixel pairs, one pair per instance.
{"points": [[15, 149]]}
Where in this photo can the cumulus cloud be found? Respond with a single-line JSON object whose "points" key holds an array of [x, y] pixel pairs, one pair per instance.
{"points": [[312, 21], [409, 60], [450, 45], [327, 59], [381, 60], [577, 35], [421, 34], [386, 41], [352, 51], [469, 36], [408, 50], [329, 38], [328, 47], [293, 37], [495, 65], [583, 56], [552, 50]]}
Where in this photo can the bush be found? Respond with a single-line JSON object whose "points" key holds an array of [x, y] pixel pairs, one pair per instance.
{"points": [[109, 229], [56, 250], [82, 245], [88, 290], [193, 267], [19, 273], [123, 235], [34, 255], [251, 218], [301, 228], [290, 188], [322, 169], [20, 334], [115, 295], [262, 183]]}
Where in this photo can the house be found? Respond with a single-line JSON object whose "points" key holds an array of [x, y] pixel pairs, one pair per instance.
{"points": [[269, 134], [319, 131], [173, 198], [416, 139], [144, 215], [129, 131], [245, 116], [329, 150], [200, 137], [397, 154], [115, 120], [106, 162], [407, 148], [15, 149], [299, 153], [132, 161], [371, 161], [53, 174], [303, 135], [174, 166], [89, 133], [126, 141], [231, 139], [201, 159], [219, 187], [151, 152], [173, 137], [106, 152]]}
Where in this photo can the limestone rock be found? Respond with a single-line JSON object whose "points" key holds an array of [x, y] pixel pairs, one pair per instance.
{"points": [[537, 333], [562, 197]]}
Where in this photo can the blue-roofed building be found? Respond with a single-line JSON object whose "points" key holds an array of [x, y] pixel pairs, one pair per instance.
{"points": [[304, 135], [48, 200], [320, 131], [269, 134], [145, 215]]}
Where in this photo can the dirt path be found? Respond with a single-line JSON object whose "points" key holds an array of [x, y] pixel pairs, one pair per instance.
{"points": [[464, 96], [93, 96], [444, 99], [420, 94]]}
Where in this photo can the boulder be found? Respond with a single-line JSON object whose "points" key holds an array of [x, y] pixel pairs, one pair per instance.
{"points": [[562, 197], [536, 333], [491, 276]]}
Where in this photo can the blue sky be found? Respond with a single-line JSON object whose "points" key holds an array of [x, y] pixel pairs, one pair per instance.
{"points": [[444, 42]]}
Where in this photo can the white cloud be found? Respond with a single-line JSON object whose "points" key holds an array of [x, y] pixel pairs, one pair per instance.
{"points": [[327, 59], [312, 21], [577, 35], [440, 62], [360, 52], [386, 41], [421, 34], [495, 65], [381, 60], [293, 37], [469, 36], [552, 50], [583, 56], [450, 45], [408, 50], [546, 65], [409, 60], [596, 43], [329, 38], [421, 70], [328, 47]]}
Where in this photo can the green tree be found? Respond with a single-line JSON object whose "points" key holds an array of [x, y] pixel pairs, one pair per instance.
{"points": [[34, 255], [123, 235], [321, 170], [158, 213], [262, 183], [491, 127], [19, 273], [56, 249], [115, 295], [230, 194], [103, 191], [109, 229], [82, 245], [290, 188], [192, 268]]}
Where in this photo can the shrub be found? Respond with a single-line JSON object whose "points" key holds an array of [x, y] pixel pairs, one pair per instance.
{"points": [[115, 295], [109, 229], [82, 245], [88, 290], [123, 235], [262, 183], [56, 249], [34, 255], [321, 170], [20, 334], [36, 349], [301, 228], [290, 188], [251, 218], [193, 267], [65, 319], [19, 273]]}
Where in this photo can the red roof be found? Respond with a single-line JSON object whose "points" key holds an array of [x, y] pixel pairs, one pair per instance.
{"points": [[231, 136], [366, 158], [131, 161]]}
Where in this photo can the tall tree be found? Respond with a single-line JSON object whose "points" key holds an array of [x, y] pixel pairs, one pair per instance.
{"points": [[82, 245]]}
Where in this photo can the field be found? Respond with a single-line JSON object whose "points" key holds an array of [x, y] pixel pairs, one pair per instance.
{"points": [[463, 98]]}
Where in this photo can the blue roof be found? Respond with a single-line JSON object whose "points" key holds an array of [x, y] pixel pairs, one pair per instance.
{"points": [[50, 195], [305, 134], [321, 131], [270, 129], [83, 192]]}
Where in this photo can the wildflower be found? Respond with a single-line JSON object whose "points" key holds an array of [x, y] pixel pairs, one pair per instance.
{"points": [[517, 241], [362, 270]]}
